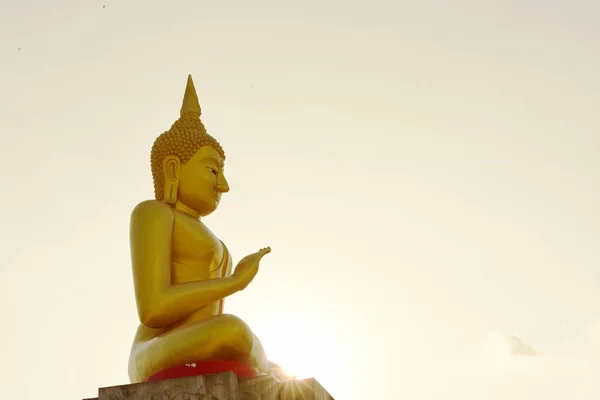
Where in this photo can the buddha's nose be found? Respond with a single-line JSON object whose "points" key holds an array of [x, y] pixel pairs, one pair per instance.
{"points": [[222, 185]]}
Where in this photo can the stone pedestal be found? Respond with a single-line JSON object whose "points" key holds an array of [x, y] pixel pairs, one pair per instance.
{"points": [[223, 386]]}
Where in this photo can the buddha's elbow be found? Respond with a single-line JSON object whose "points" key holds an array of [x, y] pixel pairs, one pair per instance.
{"points": [[152, 318], [151, 322]]}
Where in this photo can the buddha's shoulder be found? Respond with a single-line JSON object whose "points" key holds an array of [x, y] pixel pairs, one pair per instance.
{"points": [[151, 209]]}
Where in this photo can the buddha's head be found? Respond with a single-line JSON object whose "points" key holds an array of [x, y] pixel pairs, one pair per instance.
{"points": [[187, 163]]}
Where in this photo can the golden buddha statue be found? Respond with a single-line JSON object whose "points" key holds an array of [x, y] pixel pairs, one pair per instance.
{"points": [[181, 270]]}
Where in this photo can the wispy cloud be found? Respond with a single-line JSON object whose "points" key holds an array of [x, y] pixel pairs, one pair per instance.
{"points": [[508, 345], [518, 347]]}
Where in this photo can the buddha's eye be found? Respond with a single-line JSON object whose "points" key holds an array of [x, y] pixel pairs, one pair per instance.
{"points": [[214, 171]]}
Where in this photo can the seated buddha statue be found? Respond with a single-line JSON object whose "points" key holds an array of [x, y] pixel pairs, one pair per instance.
{"points": [[182, 272]]}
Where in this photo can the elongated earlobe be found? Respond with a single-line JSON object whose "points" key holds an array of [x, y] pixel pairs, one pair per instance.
{"points": [[171, 172]]}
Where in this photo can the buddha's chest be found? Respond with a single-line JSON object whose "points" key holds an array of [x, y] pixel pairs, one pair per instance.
{"points": [[197, 252]]}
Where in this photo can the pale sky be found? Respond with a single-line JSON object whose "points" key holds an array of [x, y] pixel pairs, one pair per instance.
{"points": [[426, 173]]}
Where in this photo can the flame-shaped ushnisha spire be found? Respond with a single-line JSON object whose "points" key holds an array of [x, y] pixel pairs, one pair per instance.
{"points": [[191, 105]]}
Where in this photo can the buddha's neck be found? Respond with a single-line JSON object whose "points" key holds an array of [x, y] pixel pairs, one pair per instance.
{"points": [[182, 208]]}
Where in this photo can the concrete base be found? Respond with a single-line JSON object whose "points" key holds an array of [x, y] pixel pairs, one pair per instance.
{"points": [[223, 386]]}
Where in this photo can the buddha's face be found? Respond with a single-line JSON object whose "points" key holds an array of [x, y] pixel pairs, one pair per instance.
{"points": [[202, 181]]}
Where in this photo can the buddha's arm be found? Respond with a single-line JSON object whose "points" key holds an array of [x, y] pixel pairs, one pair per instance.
{"points": [[160, 303]]}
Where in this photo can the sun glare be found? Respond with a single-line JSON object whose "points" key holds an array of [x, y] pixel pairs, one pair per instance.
{"points": [[293, 360], [300, 351]]}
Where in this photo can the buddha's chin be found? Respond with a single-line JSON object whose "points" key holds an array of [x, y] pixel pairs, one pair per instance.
{"points": [[207, 209]]}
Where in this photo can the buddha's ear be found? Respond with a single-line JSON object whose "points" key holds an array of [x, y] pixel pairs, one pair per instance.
{"points": [[171, 173]]}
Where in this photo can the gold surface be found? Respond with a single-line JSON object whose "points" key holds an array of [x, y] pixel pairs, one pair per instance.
{"points": [[181, 270]]}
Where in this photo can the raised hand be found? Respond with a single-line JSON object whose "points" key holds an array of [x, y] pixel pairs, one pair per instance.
{"points": [[247, 268]]}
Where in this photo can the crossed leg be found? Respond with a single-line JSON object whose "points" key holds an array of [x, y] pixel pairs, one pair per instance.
{"points": [[222, 337]]}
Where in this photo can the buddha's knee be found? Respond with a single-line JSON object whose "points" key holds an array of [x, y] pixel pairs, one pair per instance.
{"points": [[236, 334]]}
